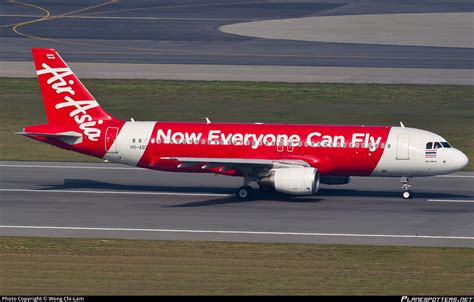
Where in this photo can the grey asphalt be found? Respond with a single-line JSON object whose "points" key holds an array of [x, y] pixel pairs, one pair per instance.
{"points": [[114, 201], [186, 32], [293, 74]]}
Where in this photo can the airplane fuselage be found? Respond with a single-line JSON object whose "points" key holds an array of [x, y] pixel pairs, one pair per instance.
{"points": [[333, 150]]}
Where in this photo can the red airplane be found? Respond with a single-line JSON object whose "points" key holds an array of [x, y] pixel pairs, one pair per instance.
{"points": [[292, 159]]}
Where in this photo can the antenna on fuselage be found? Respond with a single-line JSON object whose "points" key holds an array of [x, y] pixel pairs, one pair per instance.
{"points": [[208, 121], [401, 125]]}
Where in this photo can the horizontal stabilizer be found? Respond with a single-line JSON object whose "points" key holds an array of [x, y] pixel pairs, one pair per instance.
{"points": [[70, 137]]}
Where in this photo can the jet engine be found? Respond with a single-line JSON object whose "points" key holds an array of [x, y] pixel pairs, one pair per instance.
{"points": [[335, 180], [295, 181]]}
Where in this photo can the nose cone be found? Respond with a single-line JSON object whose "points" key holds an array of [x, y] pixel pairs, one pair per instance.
{"points": [[459, 160]]}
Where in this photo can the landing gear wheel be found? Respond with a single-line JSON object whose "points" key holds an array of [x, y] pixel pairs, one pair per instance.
{"points": [[407, 194], [406, 188], [244, 193]]}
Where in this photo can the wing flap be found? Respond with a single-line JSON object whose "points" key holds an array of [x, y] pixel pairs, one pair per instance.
{"points": [[211, 162], [223, 161]]}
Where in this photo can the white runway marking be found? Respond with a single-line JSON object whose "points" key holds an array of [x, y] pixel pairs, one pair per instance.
{"points": [[170, 193], [460, 176], [116, 192], [452, 200], [31, 227], [72, 167]]}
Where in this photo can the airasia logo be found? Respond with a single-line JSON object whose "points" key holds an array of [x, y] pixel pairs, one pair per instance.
{"points": [[79, 108]]}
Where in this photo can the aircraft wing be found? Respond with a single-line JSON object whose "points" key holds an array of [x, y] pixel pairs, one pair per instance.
{"points": [[237, 163]]}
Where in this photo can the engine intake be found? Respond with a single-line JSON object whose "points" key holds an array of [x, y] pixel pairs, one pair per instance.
{"points": [[295, 181]]}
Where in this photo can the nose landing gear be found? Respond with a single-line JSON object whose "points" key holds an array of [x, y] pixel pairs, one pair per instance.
{"points": [[406, 188]]}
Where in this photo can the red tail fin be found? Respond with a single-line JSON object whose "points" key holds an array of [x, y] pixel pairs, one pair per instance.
{"points": [[65, 99]]}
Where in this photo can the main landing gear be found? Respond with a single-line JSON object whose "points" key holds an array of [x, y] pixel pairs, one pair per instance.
{"points": [[406, 188], [245, 192]]}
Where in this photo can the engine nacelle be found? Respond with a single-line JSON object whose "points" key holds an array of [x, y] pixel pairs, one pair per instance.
{"points": [[335, 180], [295, 181]]}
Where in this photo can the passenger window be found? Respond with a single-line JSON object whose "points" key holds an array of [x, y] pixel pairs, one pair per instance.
{"points": [[437, 145], [429, 145], [446, 145], [139, 140], [382, 145], [133, 141]]}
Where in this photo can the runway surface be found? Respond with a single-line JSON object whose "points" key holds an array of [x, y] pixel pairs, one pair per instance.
{"points": [[114, 201], [187, 32]]}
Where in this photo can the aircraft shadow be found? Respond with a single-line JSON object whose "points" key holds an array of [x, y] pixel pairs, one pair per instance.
{"points": [[100, 185], [278, 197], [257, 194], [86, 184], [256, 197]]}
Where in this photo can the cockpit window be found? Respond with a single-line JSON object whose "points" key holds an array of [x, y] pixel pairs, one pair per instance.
{"points": [[446, 145], [429, 145], [437, 145]]}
